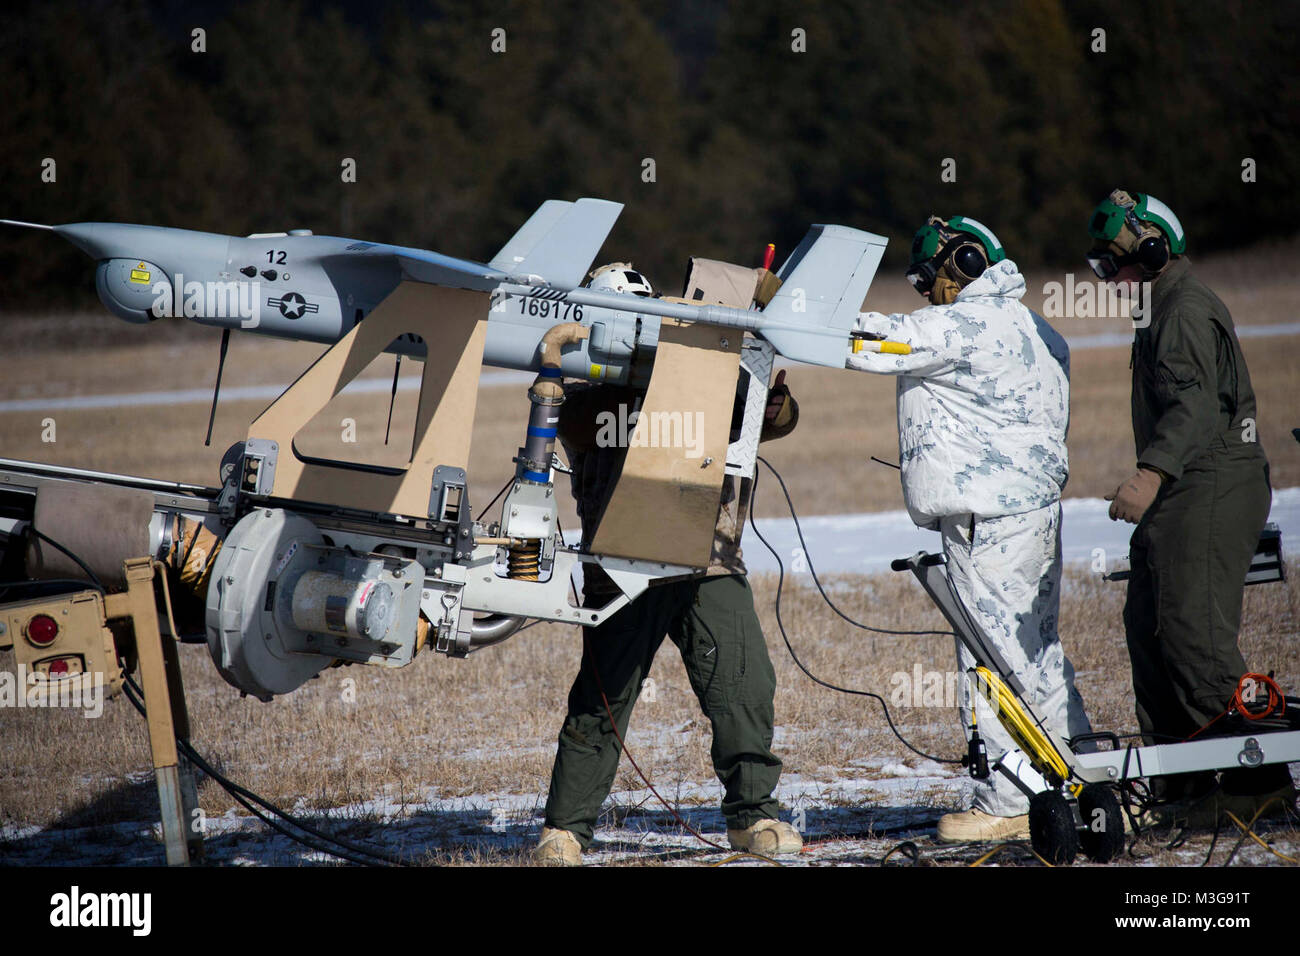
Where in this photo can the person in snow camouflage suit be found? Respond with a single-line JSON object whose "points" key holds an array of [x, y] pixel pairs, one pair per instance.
{"points": [[983, 408]]}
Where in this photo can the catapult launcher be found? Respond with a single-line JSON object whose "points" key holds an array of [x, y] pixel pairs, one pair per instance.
{"points": [[299, 561]]}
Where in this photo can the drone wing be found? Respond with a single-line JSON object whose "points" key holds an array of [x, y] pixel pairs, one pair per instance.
{"points": [[558, 243]]}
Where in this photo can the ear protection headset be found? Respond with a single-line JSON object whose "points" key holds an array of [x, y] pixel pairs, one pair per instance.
{"points": [[1157, 233], [966, 253], [1152, 252]]}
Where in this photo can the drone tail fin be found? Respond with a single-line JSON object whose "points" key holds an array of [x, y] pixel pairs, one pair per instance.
{"points": [[823, 284]]}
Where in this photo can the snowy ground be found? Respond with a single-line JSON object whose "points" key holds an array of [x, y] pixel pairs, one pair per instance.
{"points": [[855, 816], [885, 817], [866, 543]]}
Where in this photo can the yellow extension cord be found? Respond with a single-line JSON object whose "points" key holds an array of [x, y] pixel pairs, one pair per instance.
{"points": [[1041, 753]]}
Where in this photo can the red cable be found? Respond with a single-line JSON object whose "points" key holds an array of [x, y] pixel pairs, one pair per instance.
{"points": [[627, 753], [1276, 699]]}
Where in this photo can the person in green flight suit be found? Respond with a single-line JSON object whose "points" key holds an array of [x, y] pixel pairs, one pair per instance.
{"points": [[710, 618], [1199, 495]]}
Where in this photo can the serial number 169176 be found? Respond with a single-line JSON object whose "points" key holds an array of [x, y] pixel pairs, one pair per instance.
{"points": [[549, 309]]}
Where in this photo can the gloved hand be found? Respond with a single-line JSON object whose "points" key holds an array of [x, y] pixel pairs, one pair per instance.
{"points": [[782, 412], [1130, 501], [777, 397]]}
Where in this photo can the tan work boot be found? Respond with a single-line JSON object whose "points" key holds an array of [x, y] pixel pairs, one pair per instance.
{"points": [[766, 838], [976, 826], [557, 848]]}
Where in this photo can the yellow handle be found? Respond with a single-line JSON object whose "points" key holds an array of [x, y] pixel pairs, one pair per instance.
{"points": [[889, 348]]}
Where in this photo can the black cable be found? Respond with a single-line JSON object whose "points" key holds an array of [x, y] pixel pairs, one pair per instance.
{"points": [[813, 571], [81, 564], [1213, 841], [1139, 734], [246, 798], [246, 804], [243, 794], [961, 605], [49, 582], [509, 482], [795, 657]]}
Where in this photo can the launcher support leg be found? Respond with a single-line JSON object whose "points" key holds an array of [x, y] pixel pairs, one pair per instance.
{"points": [[164, 701]]}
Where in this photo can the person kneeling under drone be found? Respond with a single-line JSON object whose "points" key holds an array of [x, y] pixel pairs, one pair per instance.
{"points": [[983, 408]]}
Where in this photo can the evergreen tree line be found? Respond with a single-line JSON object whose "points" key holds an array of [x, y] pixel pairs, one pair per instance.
{"points": [[722, 125]]}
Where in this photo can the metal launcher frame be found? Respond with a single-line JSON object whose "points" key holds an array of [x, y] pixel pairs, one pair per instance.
{"points": [[1088, 770], [278, 509]]}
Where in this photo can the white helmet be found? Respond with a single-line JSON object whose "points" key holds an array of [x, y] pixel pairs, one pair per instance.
{"points": [[619, 277]]}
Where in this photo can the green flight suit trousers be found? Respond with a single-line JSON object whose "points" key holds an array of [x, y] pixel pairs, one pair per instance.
{"points": [[713, 623], [1189, 556]]}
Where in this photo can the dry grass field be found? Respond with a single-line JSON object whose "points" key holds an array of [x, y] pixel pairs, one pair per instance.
{"points": [[447, 741], [444, 730]]}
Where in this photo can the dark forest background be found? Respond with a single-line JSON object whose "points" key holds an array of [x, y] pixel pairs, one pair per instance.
{"points": [[455, 145]]}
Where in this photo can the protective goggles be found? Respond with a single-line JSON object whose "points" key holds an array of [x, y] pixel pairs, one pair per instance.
{"points": [[1106, 264], [964, 259]]}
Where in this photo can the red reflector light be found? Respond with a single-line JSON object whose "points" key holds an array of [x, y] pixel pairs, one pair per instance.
{"points": [[59, 666], [42, 630]]}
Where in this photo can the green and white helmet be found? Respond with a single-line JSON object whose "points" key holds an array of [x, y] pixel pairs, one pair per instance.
{"points": [[1133, 228], [1122, 208], [966, 245]]}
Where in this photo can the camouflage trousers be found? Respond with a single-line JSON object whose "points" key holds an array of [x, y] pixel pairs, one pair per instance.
{"points": [[1007, 572]]}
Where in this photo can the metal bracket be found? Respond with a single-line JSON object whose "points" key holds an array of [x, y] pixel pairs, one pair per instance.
{"points": [[441, 604], [166, 713], [1251, 755], [258, 469], [447, 482]]}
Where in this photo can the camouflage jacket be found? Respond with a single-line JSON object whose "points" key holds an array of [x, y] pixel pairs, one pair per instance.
{"points": [[1193, 404], [983, 401], [596, 469]]}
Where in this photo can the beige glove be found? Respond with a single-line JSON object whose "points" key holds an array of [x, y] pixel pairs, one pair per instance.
{"points": [[782, 412], [1130, 501]]}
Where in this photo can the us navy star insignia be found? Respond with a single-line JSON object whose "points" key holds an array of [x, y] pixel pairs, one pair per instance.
{"points": [[292, 305]]}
